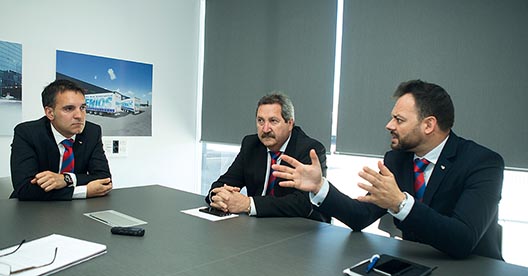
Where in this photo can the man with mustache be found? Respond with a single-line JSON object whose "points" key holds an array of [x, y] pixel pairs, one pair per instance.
{"points": [[441, 189], [60, 156], [276, 135]]}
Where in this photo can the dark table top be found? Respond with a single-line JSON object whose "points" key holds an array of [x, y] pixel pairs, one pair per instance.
{"points": [[179, 244]]}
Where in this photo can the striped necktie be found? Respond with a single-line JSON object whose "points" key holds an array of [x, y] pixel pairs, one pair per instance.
{"points": [[272, 179], [68, 162], [419, 178]]}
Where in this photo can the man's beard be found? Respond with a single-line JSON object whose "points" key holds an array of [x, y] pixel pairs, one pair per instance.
{"points": [[407, 143]]}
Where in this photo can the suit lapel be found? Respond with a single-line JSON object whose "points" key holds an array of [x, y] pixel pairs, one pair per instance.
{"points": [[441, 168], [260, 168], [51, 147], [292, 144], [78, 150], [408, 174]]}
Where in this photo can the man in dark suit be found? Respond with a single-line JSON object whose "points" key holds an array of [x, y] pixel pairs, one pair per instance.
{"points": [[457, 213], [276, 134], [43, 166]]}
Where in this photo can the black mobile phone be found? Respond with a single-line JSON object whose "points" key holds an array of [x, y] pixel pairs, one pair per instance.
{"points": [[214, 211], [128, 231], [392, 267]]}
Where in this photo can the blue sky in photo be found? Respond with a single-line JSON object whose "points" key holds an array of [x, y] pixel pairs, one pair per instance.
{"points": [[133, 79]]}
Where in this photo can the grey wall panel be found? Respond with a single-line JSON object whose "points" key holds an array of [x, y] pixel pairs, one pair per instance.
{"points": [[253, 47], [476, 50]]}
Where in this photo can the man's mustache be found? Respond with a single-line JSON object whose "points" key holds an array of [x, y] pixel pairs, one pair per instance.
{"points": [[267, 135]]}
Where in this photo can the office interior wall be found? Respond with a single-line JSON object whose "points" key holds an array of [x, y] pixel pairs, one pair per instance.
{"points": [[474, 49], [159, 32]]}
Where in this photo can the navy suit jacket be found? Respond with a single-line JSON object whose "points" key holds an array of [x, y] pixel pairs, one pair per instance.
{"points": [[249, 170], [459, 212], [34, 150]]}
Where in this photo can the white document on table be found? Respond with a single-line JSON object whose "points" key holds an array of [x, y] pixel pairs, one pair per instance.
{"points": [[70, 251], [114, 218], [195, 212]]}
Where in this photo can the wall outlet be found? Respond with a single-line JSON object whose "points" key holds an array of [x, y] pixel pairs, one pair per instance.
{"points": [[115, 147]]}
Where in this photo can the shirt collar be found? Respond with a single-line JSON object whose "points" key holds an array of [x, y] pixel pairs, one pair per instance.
{"points": [[59, 137], [434, 154]]}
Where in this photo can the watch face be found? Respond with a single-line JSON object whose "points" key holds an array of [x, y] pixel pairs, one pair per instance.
{"points": [[68, 179]]}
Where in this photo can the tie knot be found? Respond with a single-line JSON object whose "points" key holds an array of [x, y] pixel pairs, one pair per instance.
{"points": [[275, 155], [67, 143], [420, 164]]}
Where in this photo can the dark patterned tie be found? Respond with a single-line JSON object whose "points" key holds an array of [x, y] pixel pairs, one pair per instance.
{"points": [[272, 179], [419, 179], [68, 162]]}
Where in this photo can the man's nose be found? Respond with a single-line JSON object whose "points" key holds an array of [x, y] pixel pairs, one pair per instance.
{"points": [[266, 127], [390, 124], [77, 113]]}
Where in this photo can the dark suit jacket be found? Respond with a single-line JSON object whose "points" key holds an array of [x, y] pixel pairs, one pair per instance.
{"points": [[249, 170], [34, 150], [460, 208]]}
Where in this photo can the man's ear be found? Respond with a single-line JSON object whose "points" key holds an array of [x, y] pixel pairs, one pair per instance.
{"points": [[430, 124], [49, 113], [291, 123]]}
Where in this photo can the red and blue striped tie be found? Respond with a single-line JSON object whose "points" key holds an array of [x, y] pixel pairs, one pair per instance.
{"points": [[68, 162], [272, 179], [419, 178]]}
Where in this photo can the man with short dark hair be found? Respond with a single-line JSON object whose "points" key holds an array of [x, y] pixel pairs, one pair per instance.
{"points": [[60, 156], [441, 189], [276, 135]]}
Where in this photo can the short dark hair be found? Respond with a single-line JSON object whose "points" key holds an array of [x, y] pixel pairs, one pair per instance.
{"points": [[58, 86], [287, 109], [431, 100]]}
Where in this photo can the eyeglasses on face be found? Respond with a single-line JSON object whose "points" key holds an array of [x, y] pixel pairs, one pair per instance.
{"points": [[5, 269]]}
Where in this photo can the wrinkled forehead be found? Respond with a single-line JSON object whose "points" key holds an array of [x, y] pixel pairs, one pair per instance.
{"points": [[269, 111]]}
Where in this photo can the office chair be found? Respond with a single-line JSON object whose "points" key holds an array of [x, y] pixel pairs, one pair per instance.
{"points": [[386, 224], [6, 188]]}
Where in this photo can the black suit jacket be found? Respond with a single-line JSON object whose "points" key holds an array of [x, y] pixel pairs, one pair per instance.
{"points": [[249, 170], [34, 150], [459, 212]]}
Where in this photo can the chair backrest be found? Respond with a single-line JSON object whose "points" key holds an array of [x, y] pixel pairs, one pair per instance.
{"points": [[6, 188], [386, 224]]}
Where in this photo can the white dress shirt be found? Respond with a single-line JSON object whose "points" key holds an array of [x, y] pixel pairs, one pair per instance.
{"points": [[78, 191]]}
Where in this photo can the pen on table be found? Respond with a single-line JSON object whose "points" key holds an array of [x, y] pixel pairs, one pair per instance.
{"points": [[373, 260]]}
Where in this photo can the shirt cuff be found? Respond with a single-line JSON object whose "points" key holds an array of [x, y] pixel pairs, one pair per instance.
{"points": [[404, 212], [317, 199], [79, 192], [253, 211], [210, 197]]}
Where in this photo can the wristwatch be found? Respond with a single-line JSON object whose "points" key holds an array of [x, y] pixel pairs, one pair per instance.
{"points": [[68, 179], [402, 203]]}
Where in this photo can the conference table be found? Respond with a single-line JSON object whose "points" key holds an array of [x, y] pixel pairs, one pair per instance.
{"points": [[176, 243]]}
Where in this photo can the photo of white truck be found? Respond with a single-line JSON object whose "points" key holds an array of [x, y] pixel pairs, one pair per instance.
{"points": [[104, 103], [131, 105]]}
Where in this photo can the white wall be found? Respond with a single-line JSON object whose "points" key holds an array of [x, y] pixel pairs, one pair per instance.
{"points": [[164, 33]]}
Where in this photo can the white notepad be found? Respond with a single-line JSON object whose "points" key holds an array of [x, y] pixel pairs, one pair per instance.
{"points": [[195, 212], [70, 251]]}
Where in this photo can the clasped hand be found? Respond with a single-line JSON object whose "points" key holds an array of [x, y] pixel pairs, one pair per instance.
{"points": [[229, 199]]}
